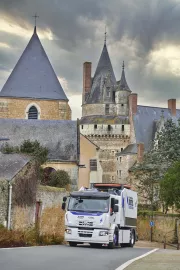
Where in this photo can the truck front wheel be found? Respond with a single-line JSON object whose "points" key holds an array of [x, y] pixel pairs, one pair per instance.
{"points": [[72, 244], [115, 239]]}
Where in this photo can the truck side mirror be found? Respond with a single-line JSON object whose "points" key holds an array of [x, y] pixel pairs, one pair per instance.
{"points": [[63, 206], [116, 208], [64, 199]]}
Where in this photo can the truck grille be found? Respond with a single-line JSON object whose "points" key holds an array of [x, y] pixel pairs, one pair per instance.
{"points": [[85, 223], [85, 233]]}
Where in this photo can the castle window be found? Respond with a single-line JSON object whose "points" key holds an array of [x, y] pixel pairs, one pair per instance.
{"points": [[121, 149], [33, 113], [109, 127], [122, 105], [95, 126], [120, 159], [93, 164], [119, 173], [82, 126], [122, 127], [107, 109]]}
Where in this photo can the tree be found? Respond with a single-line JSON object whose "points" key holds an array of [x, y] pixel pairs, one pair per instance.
{"points": [[164, 152], [59, 178], [170, 187]]}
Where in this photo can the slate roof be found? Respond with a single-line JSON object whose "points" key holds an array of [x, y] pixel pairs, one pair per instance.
{"points": [[60, 137], [33, 75], [145, 122], [131, 149], [104, 119], [103, 69], [11, 164], [122, 84]]}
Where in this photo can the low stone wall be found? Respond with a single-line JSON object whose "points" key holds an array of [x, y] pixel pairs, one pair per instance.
{"points": [[51, 217], [163, 225]]}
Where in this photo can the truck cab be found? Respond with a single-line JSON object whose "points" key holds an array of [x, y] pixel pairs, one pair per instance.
{"points": [[106, 214]]}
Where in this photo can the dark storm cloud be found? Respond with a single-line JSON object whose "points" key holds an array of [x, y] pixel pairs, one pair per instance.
{"points": [[146, 25]]}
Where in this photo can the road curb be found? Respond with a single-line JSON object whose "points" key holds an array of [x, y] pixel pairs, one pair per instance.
{"points": [[126, 264]]}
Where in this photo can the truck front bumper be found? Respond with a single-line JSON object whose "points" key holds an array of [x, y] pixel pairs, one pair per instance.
{"points": [[100, 236]]}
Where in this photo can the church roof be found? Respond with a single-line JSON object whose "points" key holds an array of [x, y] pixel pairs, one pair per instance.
{"points": [[122, 84], [58, 136], [33, 75], [104, 69]]}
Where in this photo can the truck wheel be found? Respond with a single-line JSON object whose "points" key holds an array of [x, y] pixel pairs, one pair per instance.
{"points": [[132, 239], [72, 244], [115, 240]]}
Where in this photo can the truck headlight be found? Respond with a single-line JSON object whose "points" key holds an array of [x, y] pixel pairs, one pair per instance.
{"points": [[103, 233], [68, 231]]}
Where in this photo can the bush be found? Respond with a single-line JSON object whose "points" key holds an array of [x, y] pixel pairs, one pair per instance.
{"points": [[30, 237], [35, 149], [59, 178]]}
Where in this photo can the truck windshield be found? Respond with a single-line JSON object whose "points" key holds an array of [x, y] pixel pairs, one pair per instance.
{"points": [[89, 204]]}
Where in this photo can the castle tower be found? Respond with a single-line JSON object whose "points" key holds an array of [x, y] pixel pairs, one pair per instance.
{"points": [[122, 95], [105, 114], [33, 90]]}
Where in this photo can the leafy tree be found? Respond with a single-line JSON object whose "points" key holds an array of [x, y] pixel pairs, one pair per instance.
{"points": [[170, 187], [164, 152], [59, 178]]}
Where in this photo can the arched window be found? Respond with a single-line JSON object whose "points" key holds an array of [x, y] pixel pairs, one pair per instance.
{"points": [[33, 113]]}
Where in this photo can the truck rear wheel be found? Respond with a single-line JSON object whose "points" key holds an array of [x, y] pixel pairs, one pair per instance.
{"points": [[72, 244]]}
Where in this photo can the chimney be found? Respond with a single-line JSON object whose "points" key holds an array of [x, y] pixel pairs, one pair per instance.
{"points": [[172, 106], [133, 103], [86, 79], [140, 152]]}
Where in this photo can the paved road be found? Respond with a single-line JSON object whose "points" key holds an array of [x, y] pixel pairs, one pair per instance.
{"points": [[66, 258]]}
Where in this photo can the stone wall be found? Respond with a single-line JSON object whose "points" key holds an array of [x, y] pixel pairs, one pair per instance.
{"points": [[97, 109], [48, 109], [163, 225], [51, 217], [124, 163], [109, 146]]}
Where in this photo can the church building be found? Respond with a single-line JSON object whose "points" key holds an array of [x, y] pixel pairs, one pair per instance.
{"points": [[33, 90]]}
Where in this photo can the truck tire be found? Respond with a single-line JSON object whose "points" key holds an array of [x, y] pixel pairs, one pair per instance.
{"points": [[114, 244], [72, 244], [132, 239]]}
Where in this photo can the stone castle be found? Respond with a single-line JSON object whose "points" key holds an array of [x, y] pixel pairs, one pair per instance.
{"points": [[112, 119]]}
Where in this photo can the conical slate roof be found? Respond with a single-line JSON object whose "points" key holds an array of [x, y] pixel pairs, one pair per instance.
{"points": [[33, 75], [104, 69], [123, 83]]}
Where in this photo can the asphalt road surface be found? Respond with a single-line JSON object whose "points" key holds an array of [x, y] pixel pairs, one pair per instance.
{"points": [[66, 258]]}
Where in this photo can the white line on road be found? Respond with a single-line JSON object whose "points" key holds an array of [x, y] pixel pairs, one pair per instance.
{"points": [[123, 266]]}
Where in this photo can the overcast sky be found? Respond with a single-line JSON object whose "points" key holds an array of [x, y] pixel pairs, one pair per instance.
{"points": [[143, 33]]}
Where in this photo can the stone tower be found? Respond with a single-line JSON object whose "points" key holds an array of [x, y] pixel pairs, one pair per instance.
{"points": [[33, 90], [105, 114]]}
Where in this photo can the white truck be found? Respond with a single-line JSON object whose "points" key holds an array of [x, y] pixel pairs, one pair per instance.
{"points": [[103, 215]]}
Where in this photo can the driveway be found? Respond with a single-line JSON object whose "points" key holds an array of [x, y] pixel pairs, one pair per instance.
{"points": [[66, 258]]}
